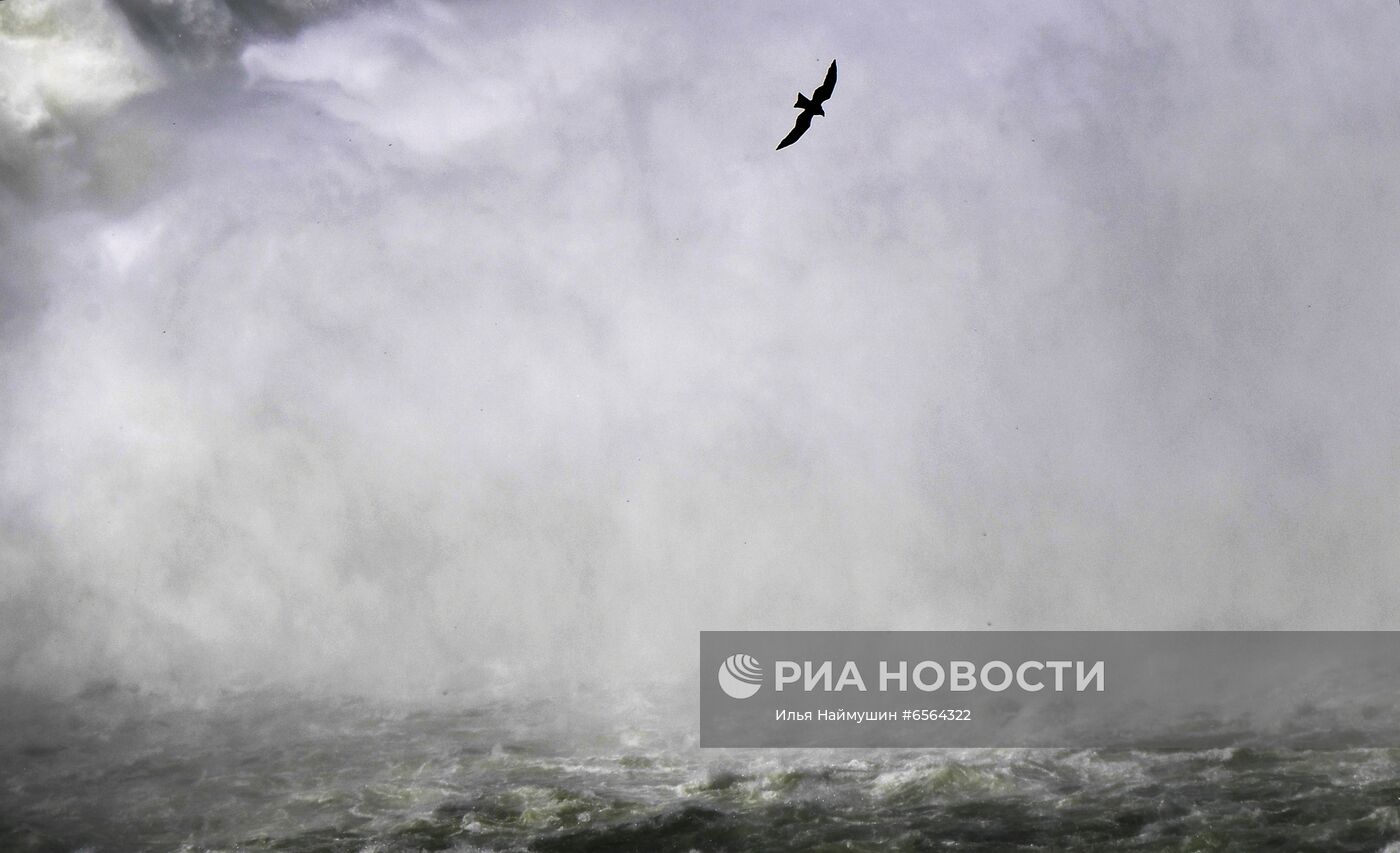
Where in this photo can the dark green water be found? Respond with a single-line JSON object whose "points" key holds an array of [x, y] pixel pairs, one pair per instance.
{"points": [[112, 771]]}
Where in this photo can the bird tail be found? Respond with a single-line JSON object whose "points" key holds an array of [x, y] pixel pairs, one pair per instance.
{"points": [[802, 102]]}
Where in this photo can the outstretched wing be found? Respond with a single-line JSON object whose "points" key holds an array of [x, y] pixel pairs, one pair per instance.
{"points": [[804, 121], [828, 85]]}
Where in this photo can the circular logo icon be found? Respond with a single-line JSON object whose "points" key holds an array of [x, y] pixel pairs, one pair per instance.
{"points": [[740, 676]]}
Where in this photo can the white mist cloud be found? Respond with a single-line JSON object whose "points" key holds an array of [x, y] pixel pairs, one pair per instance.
{"points": [[444, 337]]}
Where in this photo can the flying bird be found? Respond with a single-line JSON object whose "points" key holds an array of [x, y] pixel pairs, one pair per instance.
{"points": [[810, 108]]}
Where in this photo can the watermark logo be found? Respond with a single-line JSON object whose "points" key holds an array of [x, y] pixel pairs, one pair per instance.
{"points": [[1062, 689], [740, 676]]}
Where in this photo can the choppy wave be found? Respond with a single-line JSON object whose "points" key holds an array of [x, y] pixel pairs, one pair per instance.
{"points": [[115, 770], [413, 347]]}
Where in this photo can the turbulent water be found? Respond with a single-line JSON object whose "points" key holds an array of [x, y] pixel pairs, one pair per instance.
{"points": [[115, 771], [421, 349]]}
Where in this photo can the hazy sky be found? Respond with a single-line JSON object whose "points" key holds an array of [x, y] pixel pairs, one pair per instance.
{"points": [[434, 337]]}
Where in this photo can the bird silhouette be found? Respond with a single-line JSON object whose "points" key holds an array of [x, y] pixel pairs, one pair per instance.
{"points": [[810, 108]]}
